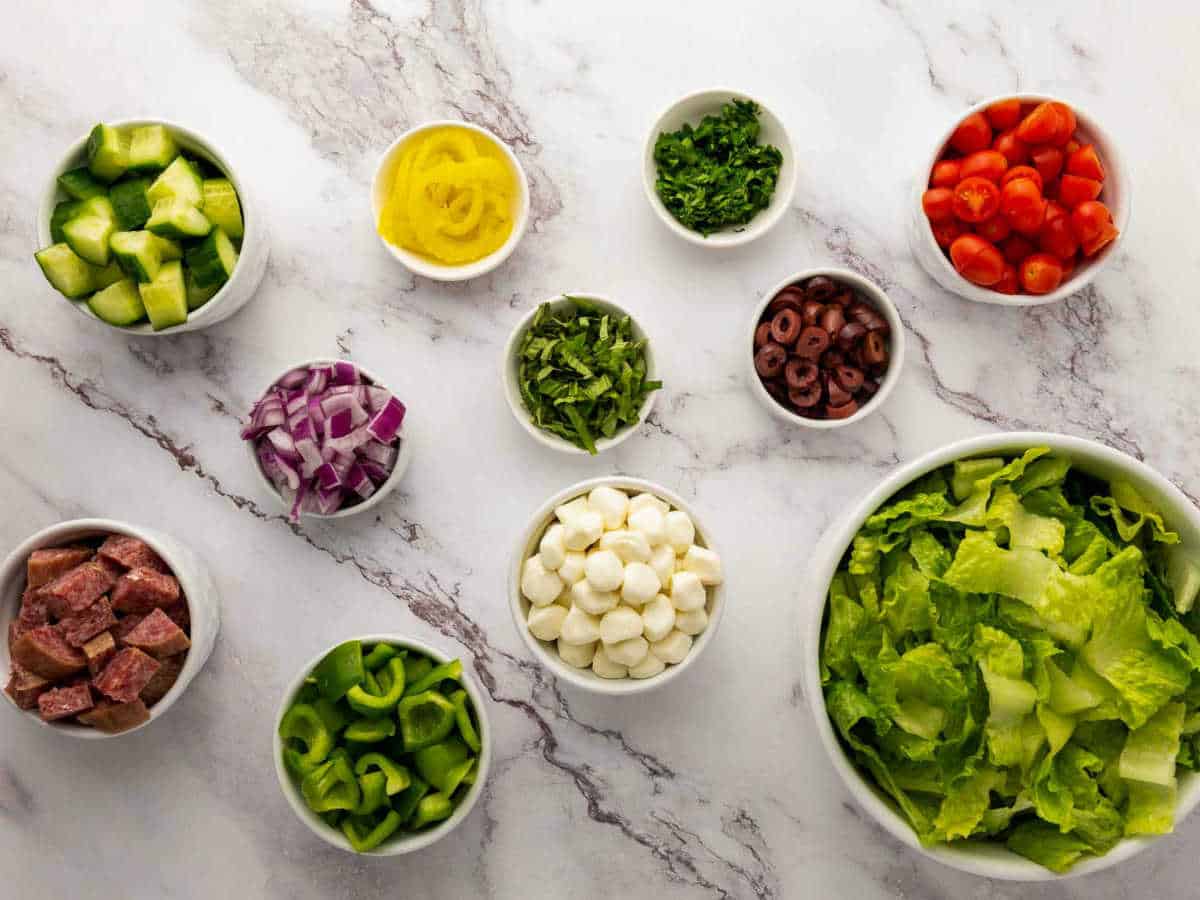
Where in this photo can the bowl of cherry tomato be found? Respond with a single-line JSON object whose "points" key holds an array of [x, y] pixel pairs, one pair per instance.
{"points": [[1023, 202]]}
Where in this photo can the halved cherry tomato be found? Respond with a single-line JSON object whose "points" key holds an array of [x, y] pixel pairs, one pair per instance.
{"points": [[994, 229], [938, 204], [1023, 205], [1071, 147], [976, 199], [945, 232], [1068, 265], [1016, 247], [1041, 273], [1023, 172], [1066, 128], [1041, 125], [1057, 237], [973, 133], [946, 173], [1073, 190], [1055, 211], [1048, 161], [1008, 283], [1093, 225], [1085, 162], [987, 164], [977, 260], [1013, 149], [1004, 114]]}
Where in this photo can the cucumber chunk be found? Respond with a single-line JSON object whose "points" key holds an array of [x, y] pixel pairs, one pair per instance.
{"points": [[80, 184], [151, 148], [213, 259], [110, 274], [101, 207], [128, 198], [165, 298], [173, 217], [107, 153], [88, 237], [66, 272], [179, 180], [138, 253], [197, 296], [221, 206], [63, 213], [119, 303], [168, 249]]}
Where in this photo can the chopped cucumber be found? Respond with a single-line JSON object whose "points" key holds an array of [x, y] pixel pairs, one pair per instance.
{"points": [[107, 153], [69, 275], [213, 259], [179, 180], [63, 213], [119, 303], [168, 249], [197, 296], [138, 253], [173, 217], [129, 203], [165, 298], [88, 237], [221, 206], [80, 184], [101, 207], [151, 148], [110, 274]]}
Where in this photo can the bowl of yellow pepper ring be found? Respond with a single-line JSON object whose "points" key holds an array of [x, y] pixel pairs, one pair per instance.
{"points": [[450, 200], [382, 745]]}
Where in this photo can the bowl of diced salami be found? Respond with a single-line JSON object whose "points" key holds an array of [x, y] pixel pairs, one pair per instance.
{"points": [[106, 625]]}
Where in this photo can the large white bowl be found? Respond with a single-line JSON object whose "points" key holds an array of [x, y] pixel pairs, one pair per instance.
{"points": [[252, 258], [1116, 196], [546, 652], [992, 860], [690, 110], [204, 607], [399, 843]]}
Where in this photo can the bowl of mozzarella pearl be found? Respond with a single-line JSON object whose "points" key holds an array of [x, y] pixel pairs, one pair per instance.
{"points": [[616, 586]]}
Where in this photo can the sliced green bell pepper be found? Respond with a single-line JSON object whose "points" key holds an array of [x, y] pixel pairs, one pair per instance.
{"points": [[363, 837], [302, 725], [462, 716], [442, 764], [340, 670], [391, 688], [368, 731], [418, 668], [331, 785], [379, 654], [425, 719], [432, 808], [451, 670], [469, 778], [373, 788], [331, 714], [406, 803], [396, 775]]}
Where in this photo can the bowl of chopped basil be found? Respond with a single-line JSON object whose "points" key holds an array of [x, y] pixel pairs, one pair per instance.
{"points": [[579, 374], [718, 168]]}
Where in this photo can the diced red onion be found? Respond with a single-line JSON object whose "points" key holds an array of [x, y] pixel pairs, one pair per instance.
{"points": [[328, 477], [358, 482], [336, 403], [310, 456], [385, 424], [341, 463], [318, 377], [377, 473], [381, 454], [315, 412], [377, 398], [328, 502], [345, 373], [294, 378], [297, 402], [284, 446]]}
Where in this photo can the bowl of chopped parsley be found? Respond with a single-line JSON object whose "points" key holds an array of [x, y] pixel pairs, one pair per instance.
{"points": [[579, 374], [718, 168]]}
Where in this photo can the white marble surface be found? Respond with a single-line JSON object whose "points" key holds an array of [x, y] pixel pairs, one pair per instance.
{"points": [[716, 785]]}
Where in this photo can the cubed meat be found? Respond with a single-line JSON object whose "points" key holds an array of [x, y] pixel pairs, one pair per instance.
{"points": [[99, 650], [126, 624], [33, 611], [131, 553], [44, 652], [141, 590], [78, 589], [179, 614], [158, 636], [125, 676], [80, 628], [113, 717], [60, 703], [25, 687], [44, 566], [164, 679]]}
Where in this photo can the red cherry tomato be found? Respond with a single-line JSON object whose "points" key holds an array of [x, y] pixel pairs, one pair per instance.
{"points": [[1008, 283], [1066, 127], [1093, 225], [938, 204], [1073, 190], [1016, 247], [1023, 205], [994, 229], [1055, 211], [1004, 114], [977, 260], [946, 173], [1048, 161], [1085, 163], [987, 164], [1057, 237], [1041, 125], [1023, 172], [1041, 273], [973, 133], [1071, 147], [1068, 265], [976, 199], [945, 232], [1013, 149]]}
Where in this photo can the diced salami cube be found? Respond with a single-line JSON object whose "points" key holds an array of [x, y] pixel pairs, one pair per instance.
{"points": [[141, 590], [99, 650], [62, 702], [163, 680], [179, 614], [113, 717], [80, 628], [78, 589], [131, 553], [126, 624], [125, 676], [43, 566], [158, 636], [44, 652], [25, 687], [33, 612]]}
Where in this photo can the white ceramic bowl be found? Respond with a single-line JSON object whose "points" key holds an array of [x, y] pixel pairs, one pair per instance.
{"points": [[421, 265], [881, 301], [690, 110], [991, 860], [512, 391], [252, 258], [403, 458], [204, 607], [546, 653], [398, 844], [1116, 196]]}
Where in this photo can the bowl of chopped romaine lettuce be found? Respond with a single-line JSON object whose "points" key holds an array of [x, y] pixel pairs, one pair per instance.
{"points": [[1003, 656]]}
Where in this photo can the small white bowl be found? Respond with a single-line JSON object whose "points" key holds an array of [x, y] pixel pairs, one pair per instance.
{"points": [[252, 257], [399, 843], [204, 607], [881, 301], [546, 653], [1116, 196], [991, 860], [403, 457], [512, 365], [421, 265], [690, 110]]}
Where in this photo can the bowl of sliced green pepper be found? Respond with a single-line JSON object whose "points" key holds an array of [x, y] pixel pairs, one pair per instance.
{"points": [[382, 745]]}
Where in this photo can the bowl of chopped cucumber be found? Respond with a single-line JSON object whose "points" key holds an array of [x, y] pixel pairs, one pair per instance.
{"points": [[146, 227]]}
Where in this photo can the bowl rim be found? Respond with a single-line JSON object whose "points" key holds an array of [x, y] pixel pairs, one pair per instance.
{"points": [[513, 395], [765, 220], [583, 678], [896, 341], [393, 846], [418, 265], [403, 457], [1084, 272], [1000, 863], [193, 140]]}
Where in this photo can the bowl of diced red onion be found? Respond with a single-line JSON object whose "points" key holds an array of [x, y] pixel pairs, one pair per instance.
{"points": [[328, 439]]}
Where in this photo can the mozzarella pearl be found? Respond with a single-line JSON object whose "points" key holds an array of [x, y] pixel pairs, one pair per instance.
{"points": [[604, 570], [662, 561], [577, 655], [641, 501], [572, 569], [580, 627], [545, 622], [673, 648], [641, 584], [628, 652], [631, 546], [583, 530], [704, 562], [620, 624], [591, 600], [650, 522], [687, 593], [611, 503], [658, 618], [691, 622], [551, 548], [570, 510], [680, 530], [605, 667], [650, 666], [539, 585]]}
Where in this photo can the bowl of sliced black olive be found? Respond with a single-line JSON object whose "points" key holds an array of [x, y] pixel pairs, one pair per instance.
{"points": [[827, 346]]}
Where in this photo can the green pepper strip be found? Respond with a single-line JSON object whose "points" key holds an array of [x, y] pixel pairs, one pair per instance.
{"points": [[472, 772], [331, 785], [397, 775], [303, 724], [425, 719], [372, 786], [462, 715], [379, 654], [368, 731], [368, 704], [418, 668], [432, 808], [340, 670], [331, 714], [437, 764], [406, 803], [363, 840], [451, 670]]}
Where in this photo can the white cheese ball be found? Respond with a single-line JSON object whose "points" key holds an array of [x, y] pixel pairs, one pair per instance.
{"points": [[691, 622], [611, 503], [591, 600], [583, 530], [641, 501], [539, 585], [564, 599], [680, 530], [650, 666], [580, 627], [650, 522], [629, 652], [620, 624], [704, 562], [605, 667], [572, 569], [631, 546], [658, 618], [577, 655], [604, 570], [551, 549], [545, 622], [673, 648], [687, 593], [662, 561], [641, 584], [569, 511]]}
